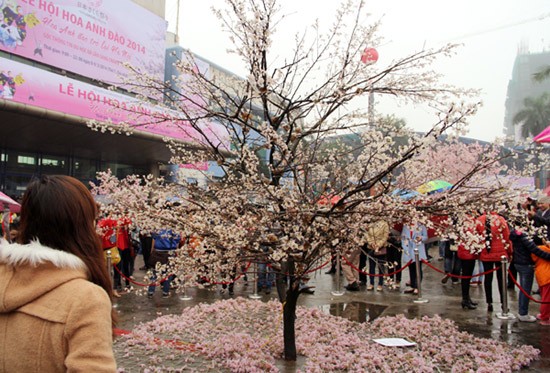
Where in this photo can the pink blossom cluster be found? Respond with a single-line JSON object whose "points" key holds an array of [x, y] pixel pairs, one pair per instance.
{"points": [[241, 335]]}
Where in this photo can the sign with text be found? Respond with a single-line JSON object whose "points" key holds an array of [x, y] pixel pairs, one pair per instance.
{"points": [[33, 86], [93, 38]]}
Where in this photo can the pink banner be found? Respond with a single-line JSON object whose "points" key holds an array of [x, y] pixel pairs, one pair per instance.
{"points": [[29, 85], [92, 38], [201, 166]]}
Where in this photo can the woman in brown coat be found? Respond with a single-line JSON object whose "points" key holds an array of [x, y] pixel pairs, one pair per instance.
{"points": [[55, 308]]}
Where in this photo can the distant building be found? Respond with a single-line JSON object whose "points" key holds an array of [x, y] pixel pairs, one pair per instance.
{"points": [[522, 85], [62, 57], [56, 65]]}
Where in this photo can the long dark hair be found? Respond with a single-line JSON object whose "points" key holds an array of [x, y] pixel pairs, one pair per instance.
{"points": [[60, 212]]}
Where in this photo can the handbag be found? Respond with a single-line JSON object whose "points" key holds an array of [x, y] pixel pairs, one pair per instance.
{"points": [[115, 255]]}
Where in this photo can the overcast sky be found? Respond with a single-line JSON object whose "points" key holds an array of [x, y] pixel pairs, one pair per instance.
{"points": [[491, 31]]}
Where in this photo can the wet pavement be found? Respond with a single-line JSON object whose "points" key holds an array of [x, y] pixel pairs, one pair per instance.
{"points": [[365, 306]]}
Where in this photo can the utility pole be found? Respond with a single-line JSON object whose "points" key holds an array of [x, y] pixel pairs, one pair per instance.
{"points": [[177, 21]]}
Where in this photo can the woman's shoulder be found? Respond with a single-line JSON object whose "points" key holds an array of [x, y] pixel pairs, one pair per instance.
{"points": [[84, 289], [59, 303]]}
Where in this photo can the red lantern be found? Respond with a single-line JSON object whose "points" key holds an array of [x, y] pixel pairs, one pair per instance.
{"points": [[370, 55]]}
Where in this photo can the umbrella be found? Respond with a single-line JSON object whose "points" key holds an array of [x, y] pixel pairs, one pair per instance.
{"points": [[544, 136], [331, 200], [404, 194], [9, 203], [434, 186]]}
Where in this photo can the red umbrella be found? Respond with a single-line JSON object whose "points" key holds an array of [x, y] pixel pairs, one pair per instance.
{"points": [[9, 203], [331, 200], [544, 136]]}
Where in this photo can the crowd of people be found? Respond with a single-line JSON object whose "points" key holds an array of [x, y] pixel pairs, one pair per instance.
{"points": [[497, 237], [124, 242], [378, 265]]}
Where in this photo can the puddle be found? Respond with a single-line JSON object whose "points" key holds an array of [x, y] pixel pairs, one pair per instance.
{"points": [[354, 311]]}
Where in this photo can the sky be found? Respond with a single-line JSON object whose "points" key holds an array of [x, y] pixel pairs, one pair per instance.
{"points": [[490, 31]]}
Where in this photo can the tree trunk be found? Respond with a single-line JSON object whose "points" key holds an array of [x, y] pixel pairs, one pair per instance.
{"points": [[289, 319]]}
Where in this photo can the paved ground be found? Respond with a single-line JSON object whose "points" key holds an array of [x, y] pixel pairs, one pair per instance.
{"points": [[443, 300]]}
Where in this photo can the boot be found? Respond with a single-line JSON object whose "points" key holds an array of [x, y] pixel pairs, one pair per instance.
{"points": [[468, 304]]}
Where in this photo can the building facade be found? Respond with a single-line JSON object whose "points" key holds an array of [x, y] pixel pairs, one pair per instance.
{"points": [[57, 60]]}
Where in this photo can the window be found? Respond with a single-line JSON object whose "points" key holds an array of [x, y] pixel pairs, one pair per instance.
{"points": [[26, 160], [84, 169], [52, 164]]}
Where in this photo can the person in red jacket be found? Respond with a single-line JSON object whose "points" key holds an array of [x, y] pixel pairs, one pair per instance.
{"points": [[124, 245], [495, 232], [467, 253], [108, 227]]}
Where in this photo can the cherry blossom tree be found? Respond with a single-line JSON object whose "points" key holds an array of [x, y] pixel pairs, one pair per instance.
{"points": [[278, 169]]}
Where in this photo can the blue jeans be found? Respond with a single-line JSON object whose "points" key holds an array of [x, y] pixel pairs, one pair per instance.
{"points": [[379, 262], [265, 276], [165, 284], [452, 264], [441, 247], [526, 273]]}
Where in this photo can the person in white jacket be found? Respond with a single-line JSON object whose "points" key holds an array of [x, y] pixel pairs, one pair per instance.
{"points": [[414, 235]]}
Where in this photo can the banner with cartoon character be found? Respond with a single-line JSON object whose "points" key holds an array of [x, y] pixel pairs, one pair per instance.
{"points": [[33, 86], [93, 38]]}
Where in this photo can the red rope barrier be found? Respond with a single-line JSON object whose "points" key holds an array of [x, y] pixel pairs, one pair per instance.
{"points": [[376, 275], [119, 332], [167, 277], [523, 290], [318, 268], [306, 272], [459, 276], [140, 283], [229, 282]]}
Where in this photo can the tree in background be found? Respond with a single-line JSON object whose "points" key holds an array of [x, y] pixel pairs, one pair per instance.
{"points": [[535, 116], [542, 75], [277, 170]]}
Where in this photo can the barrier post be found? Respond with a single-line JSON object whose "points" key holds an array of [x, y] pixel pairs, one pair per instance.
{"points": [[418, 278], [111, 272], [110, 266], [505, 314], [338, 292], [184, 295], [255, 295]]}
